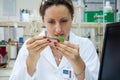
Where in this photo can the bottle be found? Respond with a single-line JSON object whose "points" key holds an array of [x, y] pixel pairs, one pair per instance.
{"points": [[108, 12], [108, 7], [21, 15], [79, 10]]}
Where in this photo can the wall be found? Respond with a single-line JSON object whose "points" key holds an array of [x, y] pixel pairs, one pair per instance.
{"points": [[32, 5], [93, 5], [118, 4], [1, 34], [20, 4], [1, 9]]}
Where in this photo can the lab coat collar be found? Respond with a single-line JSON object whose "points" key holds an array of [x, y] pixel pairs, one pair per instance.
{"points": [[47, 54]]}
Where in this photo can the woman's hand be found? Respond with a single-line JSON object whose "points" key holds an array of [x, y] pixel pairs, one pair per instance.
{"points": [[35, 45], [71, 52]]}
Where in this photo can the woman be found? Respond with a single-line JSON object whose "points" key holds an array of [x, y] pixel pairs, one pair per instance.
{"points": [[42, 58]]}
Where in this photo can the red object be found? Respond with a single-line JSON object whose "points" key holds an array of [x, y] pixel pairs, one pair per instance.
{"points": [[0, 58], [3, 51]]}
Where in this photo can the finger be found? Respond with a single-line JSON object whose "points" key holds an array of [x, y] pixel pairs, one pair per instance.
{"points": [[71, 45], [37, 43], [35, 38], [62, 51], [40, 48], [71, 54], [65, 47]]}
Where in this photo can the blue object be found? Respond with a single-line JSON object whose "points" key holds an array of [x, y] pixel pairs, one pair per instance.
{"points": [[65, 72], [21, 40]]}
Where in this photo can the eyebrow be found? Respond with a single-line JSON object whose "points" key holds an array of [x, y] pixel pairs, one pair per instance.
{"points": [[54, 19]]}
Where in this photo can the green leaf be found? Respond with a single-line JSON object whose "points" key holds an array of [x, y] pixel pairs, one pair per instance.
{"points": [[60, 38]]}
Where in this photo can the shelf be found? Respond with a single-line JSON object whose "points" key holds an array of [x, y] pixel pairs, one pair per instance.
{"points": [[3, 45], [30, 35], [11, 24], [89, 25], [98, 2], [74, 25]]}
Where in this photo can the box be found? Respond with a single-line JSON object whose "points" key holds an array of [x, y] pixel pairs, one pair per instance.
{"points": [[89, 16]]}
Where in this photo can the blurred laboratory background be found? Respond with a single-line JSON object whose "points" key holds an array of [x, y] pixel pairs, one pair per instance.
{"points": [[20, 20]]}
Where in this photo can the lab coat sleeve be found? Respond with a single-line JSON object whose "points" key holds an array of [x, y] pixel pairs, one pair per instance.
{"points": [[91, 60], [19, 71]]}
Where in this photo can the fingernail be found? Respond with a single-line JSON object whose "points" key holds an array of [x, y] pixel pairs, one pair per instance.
{"points": [[44, 37], [49, 40], [55, 43], [58, 40]]}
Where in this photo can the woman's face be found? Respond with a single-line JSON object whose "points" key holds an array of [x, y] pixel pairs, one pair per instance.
{"points": [[58, 21]]}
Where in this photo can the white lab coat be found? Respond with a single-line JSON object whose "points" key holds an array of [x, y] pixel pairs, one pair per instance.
{"points": [[47, 69]]}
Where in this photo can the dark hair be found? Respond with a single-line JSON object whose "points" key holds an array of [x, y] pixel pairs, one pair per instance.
{"points": [[47, 3]]}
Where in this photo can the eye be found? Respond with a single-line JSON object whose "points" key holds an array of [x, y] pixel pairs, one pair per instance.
{"points": [[51, 22], [64, 21]]}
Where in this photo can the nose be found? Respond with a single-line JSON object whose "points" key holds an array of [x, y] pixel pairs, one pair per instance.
{"points": [[58, 28]]}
